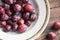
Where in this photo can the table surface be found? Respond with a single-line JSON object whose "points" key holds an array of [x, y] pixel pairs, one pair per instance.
{"points": [[55, 16]]}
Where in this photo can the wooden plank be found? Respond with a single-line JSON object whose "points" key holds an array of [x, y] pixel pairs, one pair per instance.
{"points": [[54, 3], [55, 15]]}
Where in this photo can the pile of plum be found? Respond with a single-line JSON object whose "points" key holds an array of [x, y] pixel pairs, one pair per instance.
{"points": [[16, 15]]}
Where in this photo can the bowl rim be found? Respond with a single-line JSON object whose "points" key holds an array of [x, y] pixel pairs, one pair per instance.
{"points": [[45, 22]]}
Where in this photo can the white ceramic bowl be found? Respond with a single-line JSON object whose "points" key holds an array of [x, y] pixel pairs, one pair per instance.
{"points": [[43, 12]]}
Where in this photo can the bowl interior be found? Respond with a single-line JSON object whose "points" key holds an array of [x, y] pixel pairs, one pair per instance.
{"points": [[35, 6]]}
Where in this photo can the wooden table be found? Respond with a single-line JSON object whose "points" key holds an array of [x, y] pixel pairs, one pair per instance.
{"points": [[55, 16]]}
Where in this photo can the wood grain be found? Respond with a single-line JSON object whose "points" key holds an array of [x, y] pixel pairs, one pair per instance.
{"points": [[54, 3], [55, 16]]}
